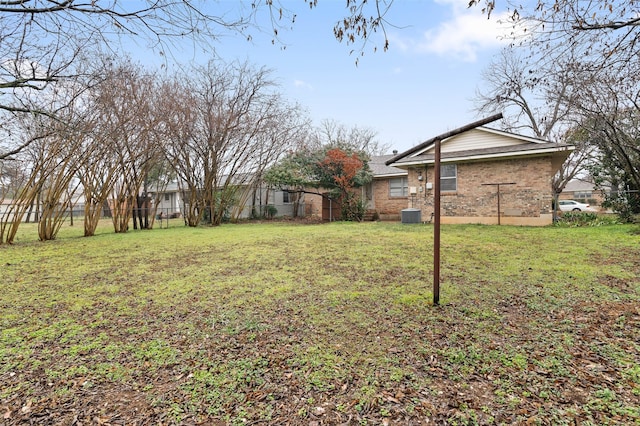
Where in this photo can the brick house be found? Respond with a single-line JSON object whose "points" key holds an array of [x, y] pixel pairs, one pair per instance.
{"points": [[388, 193], [584, 191], [474, 161]]}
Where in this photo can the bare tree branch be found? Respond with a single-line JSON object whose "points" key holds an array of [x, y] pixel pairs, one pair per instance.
{"points": [[44, 41]]}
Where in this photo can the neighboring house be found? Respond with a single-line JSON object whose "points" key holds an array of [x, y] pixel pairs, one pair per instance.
{"points": [[171, 201], [474, 161], [584, 191], [5, 211]]}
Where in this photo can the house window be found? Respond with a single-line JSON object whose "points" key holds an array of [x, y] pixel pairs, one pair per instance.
{"points": [[582, 194], [166, 197], [287, 197], [398, 187], [448, 177]]}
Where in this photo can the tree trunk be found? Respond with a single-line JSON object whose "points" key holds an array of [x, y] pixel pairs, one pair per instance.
{"points": [[294, 205], [254, 213], [92, 210]]}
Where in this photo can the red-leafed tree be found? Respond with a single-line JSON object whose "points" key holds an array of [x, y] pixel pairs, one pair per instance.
{"points": [[339, 169], [343, 173], [342, 167]]}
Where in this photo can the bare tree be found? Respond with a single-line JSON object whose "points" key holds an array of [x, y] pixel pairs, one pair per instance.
{"points": [[605, 33], [539, 99], [175, 133], [99, 170], [124, 102], [596, 47], [331, 133], [611, 122], [533, 99], [284, 129], [97, 174], [41, 161], [44, 42], [49, 163], [228, 126], [55, 197], [15, 177], [17, 208]]}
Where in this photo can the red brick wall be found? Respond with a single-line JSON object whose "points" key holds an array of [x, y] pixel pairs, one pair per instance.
{"points": [[388, 208], [313, 205]]}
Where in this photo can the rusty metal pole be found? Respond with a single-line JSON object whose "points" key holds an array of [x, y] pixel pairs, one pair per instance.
{"points": [[498, 203], [436, 226], [498, 186]]}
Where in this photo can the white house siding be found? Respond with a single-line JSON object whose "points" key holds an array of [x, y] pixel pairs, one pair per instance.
{"points": [[170, 206], [475, 139], [480, 138]]}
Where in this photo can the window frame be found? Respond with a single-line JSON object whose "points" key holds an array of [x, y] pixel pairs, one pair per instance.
{"points": [[447, 179], [403, 187], [583, 195]]}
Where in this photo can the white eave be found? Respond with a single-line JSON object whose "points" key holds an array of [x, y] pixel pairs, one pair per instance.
{"points": [[452, 157], [388, 175]]}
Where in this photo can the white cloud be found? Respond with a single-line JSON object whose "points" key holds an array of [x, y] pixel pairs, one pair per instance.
{"points": [[464, 35], [302, 84], [21, 69]]}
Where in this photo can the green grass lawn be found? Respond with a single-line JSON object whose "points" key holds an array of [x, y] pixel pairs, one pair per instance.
{"points": [[321, 324]]}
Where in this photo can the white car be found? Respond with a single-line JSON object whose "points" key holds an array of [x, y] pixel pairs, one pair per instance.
{"points": [[574, 206]]}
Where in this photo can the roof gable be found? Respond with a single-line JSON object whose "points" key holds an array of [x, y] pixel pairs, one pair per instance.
{"points": [[474, 142], [578, 185], [444, 136], [479, 138]]}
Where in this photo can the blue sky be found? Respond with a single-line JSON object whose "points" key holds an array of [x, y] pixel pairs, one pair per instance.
{"points": [[422, 86]]}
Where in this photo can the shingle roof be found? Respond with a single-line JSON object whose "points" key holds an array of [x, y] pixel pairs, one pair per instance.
{"points": [[379, 168], [579, 185]]}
